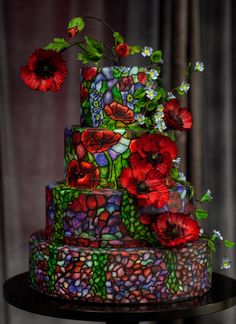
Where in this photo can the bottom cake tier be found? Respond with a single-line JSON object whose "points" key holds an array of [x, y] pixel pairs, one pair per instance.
{"points": [[121, 275]]}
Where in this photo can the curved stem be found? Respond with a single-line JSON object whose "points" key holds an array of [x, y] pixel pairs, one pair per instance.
{"points": [[71, 45], [101, 21]]}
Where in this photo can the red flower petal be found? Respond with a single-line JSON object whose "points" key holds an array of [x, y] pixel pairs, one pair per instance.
{"points": [[186, 117], [45, 70], [176, 229], [176, 117], [154, 149], [84, 175], [143, 182]]}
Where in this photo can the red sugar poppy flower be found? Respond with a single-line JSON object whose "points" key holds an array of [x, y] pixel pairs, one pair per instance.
{"points": [[83, 175], [99, 141], [176, 229], [89, 73], [143, 182], [176, 117], [118, 112], [45, 70], [122, 50], [156, 150]]}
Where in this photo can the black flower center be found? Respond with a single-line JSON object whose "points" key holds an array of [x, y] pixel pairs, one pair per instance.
{"points": [[173, 231], [75, 174], [142, 187], [154, 158], [45, 69], [175, 119]]}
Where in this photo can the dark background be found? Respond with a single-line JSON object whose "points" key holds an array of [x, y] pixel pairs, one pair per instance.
{"points": [[32, 123]]}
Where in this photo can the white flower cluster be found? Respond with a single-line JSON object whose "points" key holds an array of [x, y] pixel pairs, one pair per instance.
{"points": [[159, 118]]}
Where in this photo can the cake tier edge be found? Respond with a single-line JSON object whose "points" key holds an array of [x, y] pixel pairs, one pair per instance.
{"points": [[120, 276]]}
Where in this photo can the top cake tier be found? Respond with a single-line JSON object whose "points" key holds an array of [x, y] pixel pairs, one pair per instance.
{"points": [[110, 96]]}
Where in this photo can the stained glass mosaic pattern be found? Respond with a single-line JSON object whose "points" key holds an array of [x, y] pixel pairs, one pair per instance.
{"points": [[110, 96], [128, 275], [94, 158], [105, 217]]}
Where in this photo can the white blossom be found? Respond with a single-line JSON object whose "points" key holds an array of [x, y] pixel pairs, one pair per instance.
{"points": [[199, 66], [218, 235], [184, 86], [176, 162], [151, 94], [153, 74], [170, 95], [147, 51], [182, 176], [225, 263]]}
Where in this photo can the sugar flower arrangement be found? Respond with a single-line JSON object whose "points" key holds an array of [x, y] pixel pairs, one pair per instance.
{"points": [[149, 106]]}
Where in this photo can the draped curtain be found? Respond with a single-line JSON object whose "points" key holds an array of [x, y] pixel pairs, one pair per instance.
{"points": [[32, 123]]}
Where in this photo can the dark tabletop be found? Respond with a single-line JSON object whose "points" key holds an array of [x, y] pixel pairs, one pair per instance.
{"points": [[222, 296]]}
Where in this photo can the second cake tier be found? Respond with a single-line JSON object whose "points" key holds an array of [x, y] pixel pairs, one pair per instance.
{"points": [[105, 217]]}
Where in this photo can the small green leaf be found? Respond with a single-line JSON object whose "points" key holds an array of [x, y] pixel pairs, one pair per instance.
{"points": [[135, 49], [187, 69], [156, 56], [211, 245], [76, 22], [161, 92], [83, 58], [93, 44], [174, 173], [57, 45], [139, 93], [118, 38], [206, 197], [229, 244], [201, 214]]}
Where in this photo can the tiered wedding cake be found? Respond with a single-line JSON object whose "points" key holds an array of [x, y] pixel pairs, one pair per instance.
{"points": [[119, 228]]}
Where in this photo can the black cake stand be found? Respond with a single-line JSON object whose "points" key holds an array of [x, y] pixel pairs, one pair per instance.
{"points": [[222, 296]]}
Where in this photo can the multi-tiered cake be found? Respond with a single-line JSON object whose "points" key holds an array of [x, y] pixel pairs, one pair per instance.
{"points": [[119, 227]]}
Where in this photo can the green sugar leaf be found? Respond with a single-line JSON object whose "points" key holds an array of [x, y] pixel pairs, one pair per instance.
{"points": [[93, 44], [201, 214], [118, 38], [135, 49], [211, 245], [76, 22], [174, 173], [229, 244], [57, 45], [156, 56]]}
